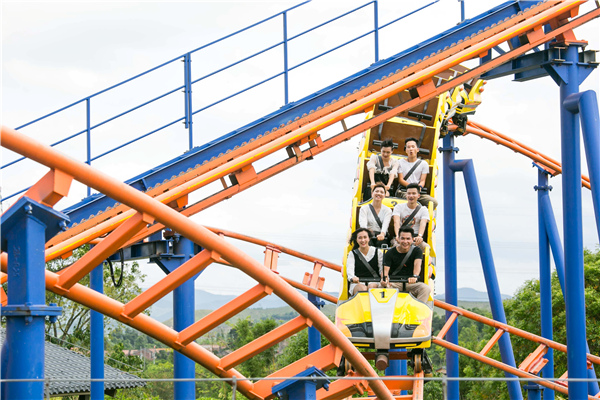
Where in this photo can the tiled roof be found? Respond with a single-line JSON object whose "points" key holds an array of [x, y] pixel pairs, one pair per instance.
{"points": [[67, 372]]}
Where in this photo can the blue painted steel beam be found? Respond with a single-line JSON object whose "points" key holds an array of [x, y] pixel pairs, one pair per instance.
{"points": [[572, 226], [183, 314], [559, 257], [97, 338], [534, 65], [302, 389], [450, 261], [586, 105], [92, 205], [489, 268], [314, 336], [26, 227], [545, 280]]}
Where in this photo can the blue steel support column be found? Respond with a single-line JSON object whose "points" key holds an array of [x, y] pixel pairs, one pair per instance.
{"points": [[573, 236], [559, 261], [554, 240], [450, 263], [586, 104], [314, 336], [489, 269], [97, 337], [545, 280], [26, 227], [183, 315]]}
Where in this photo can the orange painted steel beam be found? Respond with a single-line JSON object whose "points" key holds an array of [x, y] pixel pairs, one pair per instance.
{"points": [[534, 362], [166, 285], [343, 388], [311, 290], [438, 64], [486, 349], [500, 365], [486, 133], [396, 386], [264, 342], [316, 291], [282, 249], [102, 251], [222, 314], [51, 188], [335, 106], [271, 257], [447, 325], [510, 329], [324, 359], [125, 194], [418, 386]]}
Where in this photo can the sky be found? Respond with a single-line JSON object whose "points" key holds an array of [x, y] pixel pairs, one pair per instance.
{"points": [[56, 53]]}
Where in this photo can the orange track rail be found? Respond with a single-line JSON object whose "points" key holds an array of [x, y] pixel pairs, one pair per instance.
{"points": [[549, 164]]}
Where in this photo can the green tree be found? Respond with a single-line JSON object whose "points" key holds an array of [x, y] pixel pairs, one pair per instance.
{"points": [[523, 311], [243, 332], [296, 348]]}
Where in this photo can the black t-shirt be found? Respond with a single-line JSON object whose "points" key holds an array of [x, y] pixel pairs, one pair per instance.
{"points": [[393, 258]]}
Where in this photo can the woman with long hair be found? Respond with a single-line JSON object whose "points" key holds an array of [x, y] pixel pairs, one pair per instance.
{"points": [[364, 261]]}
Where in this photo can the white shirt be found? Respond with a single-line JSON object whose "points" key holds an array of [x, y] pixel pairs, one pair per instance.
{"points": [[374, 163], [404, 166], [350, 267], [403, 211], [367, 220]]}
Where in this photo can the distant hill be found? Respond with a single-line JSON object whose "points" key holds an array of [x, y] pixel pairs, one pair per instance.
{"points": [[274, 307], [471, 295], [162, 310]]}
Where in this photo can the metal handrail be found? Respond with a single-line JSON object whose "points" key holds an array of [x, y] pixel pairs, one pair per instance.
{"points": [[189, 112]]}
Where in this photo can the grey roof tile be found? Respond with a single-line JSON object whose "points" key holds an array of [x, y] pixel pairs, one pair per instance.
{"points": [[67, 371]]}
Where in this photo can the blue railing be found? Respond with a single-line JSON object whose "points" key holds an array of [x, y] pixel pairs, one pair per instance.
{"points": [[188, 82]]}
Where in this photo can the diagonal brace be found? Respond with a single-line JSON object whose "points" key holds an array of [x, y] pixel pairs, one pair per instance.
{"points": [[102, 251]]}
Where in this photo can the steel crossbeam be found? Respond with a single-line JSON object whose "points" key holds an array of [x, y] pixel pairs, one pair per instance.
{"points": [[222, 314], [264, 342]]}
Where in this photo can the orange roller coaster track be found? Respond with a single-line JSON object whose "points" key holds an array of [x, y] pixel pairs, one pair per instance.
{"points": [[547, 163]]}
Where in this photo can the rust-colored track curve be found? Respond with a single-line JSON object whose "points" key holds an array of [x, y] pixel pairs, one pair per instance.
{"points": [[549, 164]]}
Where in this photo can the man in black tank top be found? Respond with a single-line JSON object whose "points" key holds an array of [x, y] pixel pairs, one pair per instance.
{"points": [[405, 260]]}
